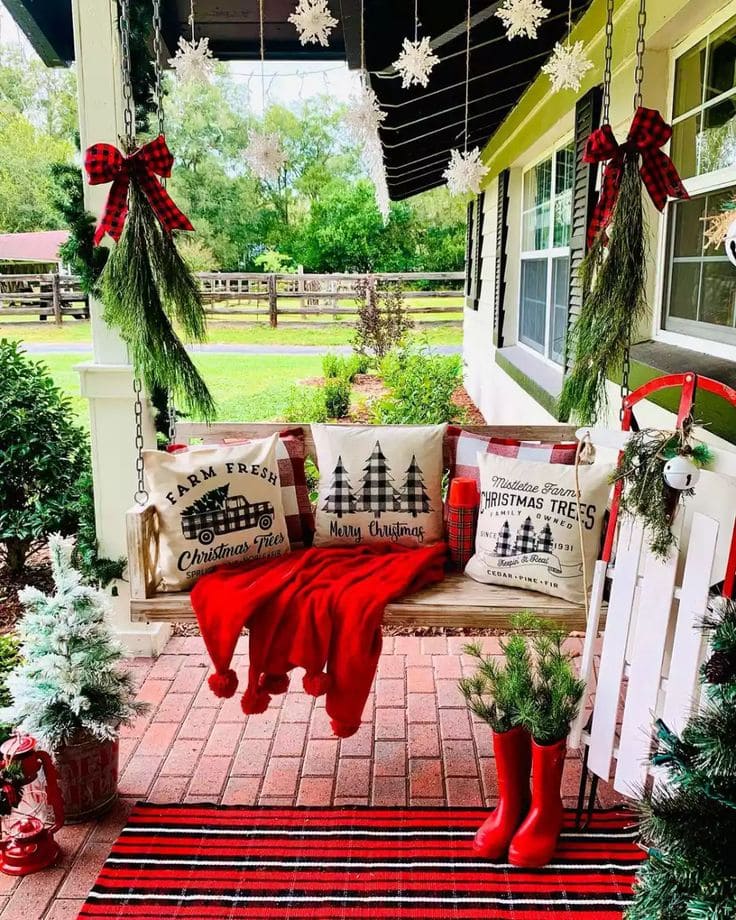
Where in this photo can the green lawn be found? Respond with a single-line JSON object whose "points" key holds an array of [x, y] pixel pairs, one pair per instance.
{"points": [[246, 388], [73, 332]]}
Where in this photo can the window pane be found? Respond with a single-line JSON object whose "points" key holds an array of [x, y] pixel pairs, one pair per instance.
{"points": [[684, 146], [718, 292], [716, 140], [564, 174], [688, 228], [684, 290], [560, 290], [689, 80], [533, 302], [721, 61], [537, 194]]}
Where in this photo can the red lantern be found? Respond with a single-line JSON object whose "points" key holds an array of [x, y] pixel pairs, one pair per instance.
{"points": [[27, 843]]}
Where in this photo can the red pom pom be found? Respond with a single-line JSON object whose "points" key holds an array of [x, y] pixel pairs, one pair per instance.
{"points": [[274, 683], [223, 685], [344, 729], [254, 701], [317, 684]]}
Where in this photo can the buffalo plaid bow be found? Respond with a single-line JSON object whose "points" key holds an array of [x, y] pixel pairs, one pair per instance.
{"points": [[105, 163], [647, 134]]}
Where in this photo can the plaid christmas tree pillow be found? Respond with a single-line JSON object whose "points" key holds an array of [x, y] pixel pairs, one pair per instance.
{"points": [[379, 484], [528, 534]]}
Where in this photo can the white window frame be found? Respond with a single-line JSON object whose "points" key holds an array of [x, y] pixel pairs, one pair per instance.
{"points": [[692, 334], [549, 254]]}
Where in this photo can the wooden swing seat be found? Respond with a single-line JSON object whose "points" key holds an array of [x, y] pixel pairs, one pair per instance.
{"points": [[456, 602]]}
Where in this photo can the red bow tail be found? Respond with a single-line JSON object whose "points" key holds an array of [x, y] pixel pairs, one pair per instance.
{"points": [[648, 133], [105, 163]]}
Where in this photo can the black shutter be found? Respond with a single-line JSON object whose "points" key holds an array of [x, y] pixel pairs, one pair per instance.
{"points": [[469, 252], [478, 251], [502, 232], [584, 195]]}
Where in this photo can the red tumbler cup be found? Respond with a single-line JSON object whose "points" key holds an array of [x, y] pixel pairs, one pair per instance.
{"points": [[463, 500]]}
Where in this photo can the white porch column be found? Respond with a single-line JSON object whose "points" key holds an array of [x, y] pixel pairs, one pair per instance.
{"points": [[107, 382]]}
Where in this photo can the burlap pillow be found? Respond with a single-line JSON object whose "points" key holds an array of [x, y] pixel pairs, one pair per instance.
{"points": [[379, 484], [528, 535], [215, 504]]}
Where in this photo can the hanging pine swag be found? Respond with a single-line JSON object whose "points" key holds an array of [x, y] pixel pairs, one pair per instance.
{"points": [[145, 286], [646, 494], [613, 303]]}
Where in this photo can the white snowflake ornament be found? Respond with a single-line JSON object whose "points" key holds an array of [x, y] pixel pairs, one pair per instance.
{"points": [[364, 115], [415, 63], [521, 17], [265, 156], [567, 66], [465, 172], [313, 22], [193, 61]]}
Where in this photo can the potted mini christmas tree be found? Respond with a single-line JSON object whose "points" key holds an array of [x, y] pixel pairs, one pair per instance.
{"points": [[689, 820], [68, 691]]}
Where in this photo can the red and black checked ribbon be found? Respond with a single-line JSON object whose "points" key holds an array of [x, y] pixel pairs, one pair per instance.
{"points": [[105, 163], [647, 134]]}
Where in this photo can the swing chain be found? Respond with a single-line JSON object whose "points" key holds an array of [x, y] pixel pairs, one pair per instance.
{"points": [[141, 494], [640, 48], [607, 63], [127, 90], [157, 65]]}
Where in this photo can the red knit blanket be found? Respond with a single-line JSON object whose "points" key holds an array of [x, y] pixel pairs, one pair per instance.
{"points": [[319, 609]]}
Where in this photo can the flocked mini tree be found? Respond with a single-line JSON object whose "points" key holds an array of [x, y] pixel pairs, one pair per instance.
{"points": [[68, 687], [689, 821]]}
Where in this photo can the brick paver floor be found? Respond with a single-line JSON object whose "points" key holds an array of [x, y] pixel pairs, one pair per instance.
{"points": [[417, 746]]}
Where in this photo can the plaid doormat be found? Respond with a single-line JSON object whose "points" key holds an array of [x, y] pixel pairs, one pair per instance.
{"points": [[205, 861]]}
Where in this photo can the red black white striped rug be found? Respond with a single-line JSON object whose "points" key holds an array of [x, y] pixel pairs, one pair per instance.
{"points": [[202, 862]]}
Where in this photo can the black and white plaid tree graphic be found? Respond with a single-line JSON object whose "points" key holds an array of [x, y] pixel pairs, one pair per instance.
{"points": [[340, 499], [525, 538], [413, 494], [503, 543], [377, 493], [544, 540]]}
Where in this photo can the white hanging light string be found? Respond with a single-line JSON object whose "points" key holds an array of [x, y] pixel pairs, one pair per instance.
{"points": [[191, 18], [416, 20], [263, 57], [467, 75]]}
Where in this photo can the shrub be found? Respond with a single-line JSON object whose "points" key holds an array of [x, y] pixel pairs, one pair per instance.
{"points": [[95, 568], [337, 398], [382, 321], [335, 367], [358, 364], [9, 659], [421, 386], [43, 458], [306, 404]]}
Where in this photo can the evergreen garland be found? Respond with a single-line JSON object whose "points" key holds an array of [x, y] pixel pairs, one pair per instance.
{"points": [[689, 822], [613, 303], [79, 252], [646, 496], [144, 281]]}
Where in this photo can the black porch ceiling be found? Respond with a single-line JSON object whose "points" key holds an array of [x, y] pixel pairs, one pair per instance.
{"points": [[422, 125]]}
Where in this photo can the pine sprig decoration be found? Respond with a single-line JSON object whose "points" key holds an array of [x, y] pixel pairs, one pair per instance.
{"points": [[145, 286], [69, 686], [496, 693], [689, 821], [613, 303]]}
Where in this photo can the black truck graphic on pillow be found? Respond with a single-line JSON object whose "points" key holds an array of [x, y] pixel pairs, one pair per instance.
{"points": [[216, 514]]}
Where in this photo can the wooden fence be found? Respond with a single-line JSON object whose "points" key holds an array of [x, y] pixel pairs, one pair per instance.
{"points": [[256, 296]]}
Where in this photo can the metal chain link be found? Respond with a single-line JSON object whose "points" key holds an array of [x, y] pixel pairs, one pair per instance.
{"points": [[640, 48], [607, 63], [127, 89], [141, 493], [158, 85]]}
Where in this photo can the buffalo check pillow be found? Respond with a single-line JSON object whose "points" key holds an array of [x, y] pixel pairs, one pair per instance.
{"points": [[291, 453], [379, 484], [463, 448], [215, 504]]}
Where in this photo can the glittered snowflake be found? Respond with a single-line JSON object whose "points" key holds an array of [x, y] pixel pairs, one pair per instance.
{"points": [[313, 21], [193, 61], [265, 156], [521, 17], [364, 116], [567, 66], [465, 172], [415, 62]]}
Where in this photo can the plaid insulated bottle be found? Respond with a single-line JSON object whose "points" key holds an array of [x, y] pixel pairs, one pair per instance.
{"points": [[462, 516]]}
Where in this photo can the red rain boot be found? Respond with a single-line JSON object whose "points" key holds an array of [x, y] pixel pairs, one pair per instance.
{"points": [[513, 764], [535, 841]]}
